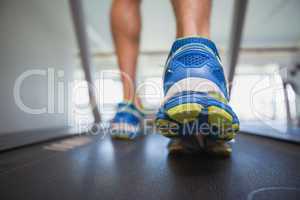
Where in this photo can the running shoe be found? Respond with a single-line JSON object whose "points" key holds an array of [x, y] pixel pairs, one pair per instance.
{"points": [[126, 124], [196, 97]]}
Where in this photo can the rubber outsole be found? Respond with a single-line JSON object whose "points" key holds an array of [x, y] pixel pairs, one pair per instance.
{"points": [[121, 133], [209, 120], [121, 137]]}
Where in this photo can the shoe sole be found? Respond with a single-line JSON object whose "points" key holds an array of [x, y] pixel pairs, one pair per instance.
{"points": [[120, 133], [217, 117], [121, 137]]}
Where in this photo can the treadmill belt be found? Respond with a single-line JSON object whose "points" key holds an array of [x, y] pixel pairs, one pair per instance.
{"points": [[89, 167]]}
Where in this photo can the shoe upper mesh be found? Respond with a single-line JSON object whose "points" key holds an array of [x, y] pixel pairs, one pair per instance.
{"points": [[192, 59]]}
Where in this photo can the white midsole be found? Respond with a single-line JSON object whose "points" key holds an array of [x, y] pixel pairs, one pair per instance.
{"points": [[193, 84], [124, 127]]}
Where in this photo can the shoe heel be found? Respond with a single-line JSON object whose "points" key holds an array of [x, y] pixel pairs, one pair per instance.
{"points": [[178, 120], [221, 122]]}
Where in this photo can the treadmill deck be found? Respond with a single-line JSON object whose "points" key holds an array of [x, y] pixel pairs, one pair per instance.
{"points": [[88, 167]]}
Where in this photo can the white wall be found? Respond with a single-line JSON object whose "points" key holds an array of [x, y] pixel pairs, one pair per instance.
{"points": [[35, 34], [268, 23], [38, 34]]}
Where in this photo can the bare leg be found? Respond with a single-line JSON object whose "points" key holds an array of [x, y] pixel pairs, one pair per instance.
{"points": [[126, 26], [192, 17]]}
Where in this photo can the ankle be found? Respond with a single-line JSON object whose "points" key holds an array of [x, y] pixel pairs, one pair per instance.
{"points": [[189, 29]]}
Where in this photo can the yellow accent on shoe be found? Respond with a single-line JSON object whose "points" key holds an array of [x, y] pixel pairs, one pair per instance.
{"points": [[232, 133], [218, 117], [235, 127], [185, 112], [216, 113], [218, 97], [229, 136]]}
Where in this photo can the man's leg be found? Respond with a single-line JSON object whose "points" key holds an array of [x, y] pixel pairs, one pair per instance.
{"points": [[192, 17], [196, 98], [126, 27]]}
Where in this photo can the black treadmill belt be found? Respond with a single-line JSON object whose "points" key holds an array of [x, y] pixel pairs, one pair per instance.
{"points": [[259, 168]]}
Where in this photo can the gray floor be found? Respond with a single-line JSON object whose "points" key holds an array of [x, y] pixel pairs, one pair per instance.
{"points": [[94, 168], [10, 141]]}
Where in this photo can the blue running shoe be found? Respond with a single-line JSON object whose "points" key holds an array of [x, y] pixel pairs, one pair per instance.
{"points": [[127, 122], [196, 97]]}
